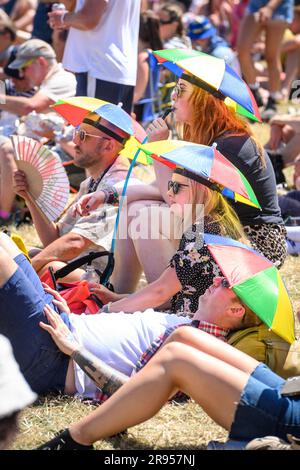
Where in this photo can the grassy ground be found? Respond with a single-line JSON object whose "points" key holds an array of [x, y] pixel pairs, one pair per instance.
{"points": [[182, 426]]}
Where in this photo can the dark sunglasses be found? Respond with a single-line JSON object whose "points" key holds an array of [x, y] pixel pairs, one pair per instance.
{"points": [[225, 283], [82, 134], [175, 186]]}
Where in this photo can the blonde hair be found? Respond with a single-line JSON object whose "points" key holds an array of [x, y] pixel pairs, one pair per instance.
{"points": [[221, 119], [216, 206]]}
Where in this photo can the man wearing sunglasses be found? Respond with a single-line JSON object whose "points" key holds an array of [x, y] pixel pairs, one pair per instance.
{"points": [[98, 143], [124, 341]]}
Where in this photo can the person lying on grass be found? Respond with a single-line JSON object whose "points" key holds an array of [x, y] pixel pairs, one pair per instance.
{"points": [[237, 392]]}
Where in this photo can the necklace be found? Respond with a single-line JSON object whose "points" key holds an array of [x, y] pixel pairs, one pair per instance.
{"points": [[93, 184]]}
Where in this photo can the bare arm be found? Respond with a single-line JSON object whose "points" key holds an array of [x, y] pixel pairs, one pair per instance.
{"points": [[105, 377], [64, 248], [90, 202], [85, 19], [153, 295], [22, 106]]}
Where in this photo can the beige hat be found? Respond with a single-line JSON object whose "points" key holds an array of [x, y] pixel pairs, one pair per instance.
{"points": [[32, 49], [15, 392]]}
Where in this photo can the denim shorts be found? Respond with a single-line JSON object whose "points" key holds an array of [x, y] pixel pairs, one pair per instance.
{"points": [[284, 11], [262, 411], [22, 299]]}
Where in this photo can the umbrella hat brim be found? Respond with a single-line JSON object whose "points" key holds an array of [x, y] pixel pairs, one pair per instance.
{"points": [[256, 282], [215, 73], [206, 162]]}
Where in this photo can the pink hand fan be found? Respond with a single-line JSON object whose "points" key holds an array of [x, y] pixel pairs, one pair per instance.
{"points": [[47, 179]]}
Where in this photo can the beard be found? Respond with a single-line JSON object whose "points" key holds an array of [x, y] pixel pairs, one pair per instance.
{"points": [[83, 160]]}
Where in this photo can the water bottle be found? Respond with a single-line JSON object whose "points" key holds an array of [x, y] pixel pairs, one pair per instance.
{"points": [[58, 6], [90, 275]]}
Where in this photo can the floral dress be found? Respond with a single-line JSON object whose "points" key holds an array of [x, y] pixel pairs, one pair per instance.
{"points": [[195, 266]]}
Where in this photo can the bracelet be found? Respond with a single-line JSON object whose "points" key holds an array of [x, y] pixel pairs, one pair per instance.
{"points": [[111, 196], [105, 308]]}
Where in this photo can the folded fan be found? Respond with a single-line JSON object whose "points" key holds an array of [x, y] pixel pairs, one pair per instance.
{"points": [[48, 183]]}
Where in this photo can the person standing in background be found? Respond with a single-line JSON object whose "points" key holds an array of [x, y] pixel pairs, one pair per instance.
{"points": [[91, 25]]}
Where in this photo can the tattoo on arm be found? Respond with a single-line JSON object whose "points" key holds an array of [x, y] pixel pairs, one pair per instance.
{"points": [[107, 379]]}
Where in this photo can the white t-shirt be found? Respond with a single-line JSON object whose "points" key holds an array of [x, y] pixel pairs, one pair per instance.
{"points": [[58, 84], [113, 44], [118, 339], [109, 51]]}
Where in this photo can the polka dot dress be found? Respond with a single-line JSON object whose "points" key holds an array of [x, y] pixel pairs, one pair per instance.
{"points": [[195, 267]]}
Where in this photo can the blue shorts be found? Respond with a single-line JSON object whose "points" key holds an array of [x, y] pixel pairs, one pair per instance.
{"points": [[22, 299], [262, 411], [284, 11]]}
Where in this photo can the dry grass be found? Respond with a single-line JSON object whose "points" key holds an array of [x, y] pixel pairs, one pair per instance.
{"points": [[175, 427]]}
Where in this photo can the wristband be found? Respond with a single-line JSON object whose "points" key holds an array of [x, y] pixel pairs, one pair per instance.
{"points": [[105, 308], [111, 196]]}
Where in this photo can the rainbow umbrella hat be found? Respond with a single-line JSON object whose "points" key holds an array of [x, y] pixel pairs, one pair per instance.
{"points": [[75, 109], [211, 167], [256, 281], [213, 75]]}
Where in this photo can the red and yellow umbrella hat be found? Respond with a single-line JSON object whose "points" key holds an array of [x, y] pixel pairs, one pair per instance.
{"points": [[74, 110], [256, 281]]}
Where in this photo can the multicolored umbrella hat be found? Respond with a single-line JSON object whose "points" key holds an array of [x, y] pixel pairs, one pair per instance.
{"points": [[210, 166], [256, 281], [75, 110], [213, 75]]}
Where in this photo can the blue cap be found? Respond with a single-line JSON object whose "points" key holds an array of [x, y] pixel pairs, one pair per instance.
{"points": [[201, 28]]}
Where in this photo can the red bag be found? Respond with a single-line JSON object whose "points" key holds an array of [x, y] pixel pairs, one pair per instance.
{"points": [[76, 294]]}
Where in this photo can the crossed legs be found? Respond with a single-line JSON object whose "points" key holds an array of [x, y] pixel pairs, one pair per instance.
{"points": [[211, 372]]}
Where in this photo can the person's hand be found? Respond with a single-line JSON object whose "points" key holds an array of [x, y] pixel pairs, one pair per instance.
{"points": [[158, 130], [264, 14], [88, 203], [58, 300], [60, 333], [276, 137], [20, 184], [103, 294], [56, 19]]}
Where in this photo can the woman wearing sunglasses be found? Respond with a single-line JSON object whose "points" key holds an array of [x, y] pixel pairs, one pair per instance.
{"points": [[204, 119], [186, 265]]}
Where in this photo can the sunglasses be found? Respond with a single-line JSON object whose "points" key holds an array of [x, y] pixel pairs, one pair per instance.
{"points": [[178, 91], [175, 186], [225, 283], [82, 134]]}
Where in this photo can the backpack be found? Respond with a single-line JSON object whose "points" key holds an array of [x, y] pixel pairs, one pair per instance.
{"points": [[265, 346]]}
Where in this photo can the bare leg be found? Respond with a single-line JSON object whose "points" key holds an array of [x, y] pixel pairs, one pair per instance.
{"points": [[290, 152], [72, 277], [248, 32], [7, 267], [7, 167], [213, 383], [291, 70], [274, 35], [128, 266], [155, 251]]}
